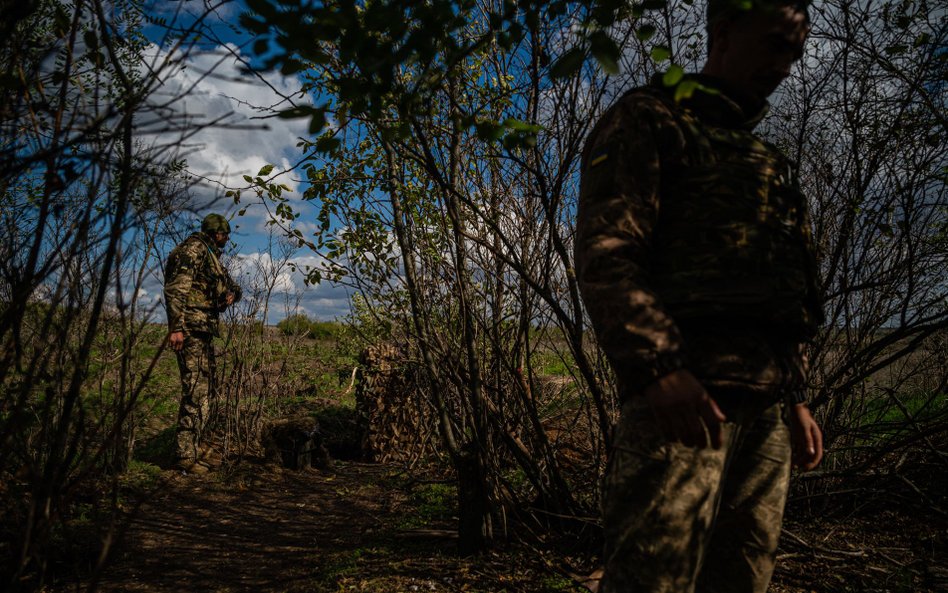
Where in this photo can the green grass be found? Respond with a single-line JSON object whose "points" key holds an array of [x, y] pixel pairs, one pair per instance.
{"points": [[157, 449], [554, 583], [140, 476], [431, 503], [920, 405], [549, 362]]}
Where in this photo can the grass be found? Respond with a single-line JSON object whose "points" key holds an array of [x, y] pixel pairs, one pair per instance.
{"points": [[156, 449], [551, 363], [882, 419], [140, 476], [432, 503], [436, 501]]}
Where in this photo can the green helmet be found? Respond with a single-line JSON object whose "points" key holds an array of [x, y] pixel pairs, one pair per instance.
{"points": [[215, 223]]}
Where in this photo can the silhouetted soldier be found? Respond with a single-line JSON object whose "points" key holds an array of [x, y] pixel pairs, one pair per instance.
{"points": [[197, 289], [696, 266]]}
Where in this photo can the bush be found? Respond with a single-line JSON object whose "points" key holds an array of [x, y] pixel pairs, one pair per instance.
{"points": [[301, 325]]}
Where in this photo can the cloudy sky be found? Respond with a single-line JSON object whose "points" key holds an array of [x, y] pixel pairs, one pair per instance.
{"points": [[209, 87]]}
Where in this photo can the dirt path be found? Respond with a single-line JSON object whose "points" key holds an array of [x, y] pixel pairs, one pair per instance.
{"points": [[262, 532], [267, 529], [369, 528]]}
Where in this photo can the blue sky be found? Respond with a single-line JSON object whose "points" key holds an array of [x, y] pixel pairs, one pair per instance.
{"points": [[245, 138]]}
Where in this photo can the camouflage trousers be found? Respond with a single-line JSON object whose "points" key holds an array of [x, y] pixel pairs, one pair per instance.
{"points": [[680, 519], [198, 367]]}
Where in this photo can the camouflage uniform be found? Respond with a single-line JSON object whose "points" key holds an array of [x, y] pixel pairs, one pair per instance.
{"points": [[196, 288], [693, 252]]}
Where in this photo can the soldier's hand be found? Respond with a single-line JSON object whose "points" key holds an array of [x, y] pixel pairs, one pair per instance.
{"points": [[806, 436], [176, 341], [684, 410], [229, 299]]}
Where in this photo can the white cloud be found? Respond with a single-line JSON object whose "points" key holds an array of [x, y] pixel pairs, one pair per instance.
{"points": [[218, 117], [221, 119], [257, 272]]}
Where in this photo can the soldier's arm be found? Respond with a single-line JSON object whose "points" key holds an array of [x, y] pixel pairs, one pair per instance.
{"points": [[234, 289], [805, 433], [806, 437], [177, 287], [618, 210], [617, 214]]}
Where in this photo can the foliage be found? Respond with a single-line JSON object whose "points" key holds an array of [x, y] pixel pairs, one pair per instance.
{"points": [[375, 42], [456, 235], [87, 205], [447, 187], [300, 324], [866, 121]]}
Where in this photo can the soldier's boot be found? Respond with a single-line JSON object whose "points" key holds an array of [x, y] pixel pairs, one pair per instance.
{"points": [[208, 455], [190, 465]]}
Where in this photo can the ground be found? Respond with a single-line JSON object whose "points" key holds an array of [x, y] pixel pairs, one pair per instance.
{"points": [[375, 528], [361, 527], [378, 528]]}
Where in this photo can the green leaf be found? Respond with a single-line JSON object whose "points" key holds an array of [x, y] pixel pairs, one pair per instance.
{"points": [[685, 89], [317, 123], [606, 52], [300, 111], [291, 67], [489, 130], [265, 170], [248, 178], [673, 76], [569, 63], [645, 32], [92, 41], [660, 53], [521, 126], [328, 144], [921, 40]]}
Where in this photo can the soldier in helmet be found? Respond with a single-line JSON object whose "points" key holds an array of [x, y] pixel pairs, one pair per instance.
{"points": [[696, 266], [198, 289]]}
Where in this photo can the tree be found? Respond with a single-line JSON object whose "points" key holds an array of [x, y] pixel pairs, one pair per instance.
{"points": [[865, 119], [449, 207], [448, 176], [86, 203]]}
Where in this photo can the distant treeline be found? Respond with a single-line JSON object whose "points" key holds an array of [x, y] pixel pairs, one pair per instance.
{"points": [[304, 326]]}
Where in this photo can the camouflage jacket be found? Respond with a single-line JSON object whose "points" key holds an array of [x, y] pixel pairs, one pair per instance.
{"points": [[693, 248], [196, 286]]}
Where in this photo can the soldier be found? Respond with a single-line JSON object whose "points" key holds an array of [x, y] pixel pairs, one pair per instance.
{"points": [[696, 266], [197, 289]]}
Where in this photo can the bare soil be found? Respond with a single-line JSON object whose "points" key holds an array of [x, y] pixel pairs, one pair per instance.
{"points": [[263, 528], [359, 528]]}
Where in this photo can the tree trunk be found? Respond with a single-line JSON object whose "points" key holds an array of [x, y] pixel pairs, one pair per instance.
{"points": [[475, 520]]}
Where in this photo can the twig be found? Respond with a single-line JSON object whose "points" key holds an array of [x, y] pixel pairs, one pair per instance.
{"points": [[931, 503], [889, 558], [816, 548], [427, 533], [352, 380]]}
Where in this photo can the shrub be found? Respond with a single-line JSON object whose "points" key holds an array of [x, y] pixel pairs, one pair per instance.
{"points": [[295, 325], [301, 325]]}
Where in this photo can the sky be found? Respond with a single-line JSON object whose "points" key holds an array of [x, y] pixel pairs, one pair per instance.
{"points": [[244, 138]]}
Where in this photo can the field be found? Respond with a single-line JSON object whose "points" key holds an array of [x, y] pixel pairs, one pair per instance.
{"points": [[251, 525]]}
